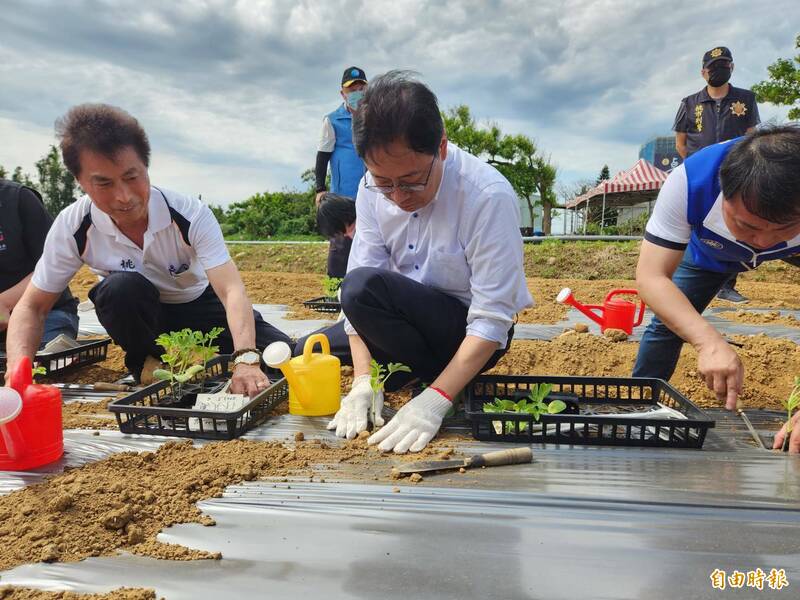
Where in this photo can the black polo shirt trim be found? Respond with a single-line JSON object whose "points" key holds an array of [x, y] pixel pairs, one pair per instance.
{"points": [[663, 243], [81, 234]]}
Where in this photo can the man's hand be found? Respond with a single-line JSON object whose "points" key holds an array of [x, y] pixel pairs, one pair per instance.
{"points": [[794, 438], [722, 369], [358, 408], [414, 425], [248, 379], [318, 197]]}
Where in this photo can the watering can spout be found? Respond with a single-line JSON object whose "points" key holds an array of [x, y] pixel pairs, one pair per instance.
{"points": [[565, 296], [278, 356]]}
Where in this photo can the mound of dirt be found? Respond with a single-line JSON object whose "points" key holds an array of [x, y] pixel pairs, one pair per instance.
{"points": [[772, 317]]}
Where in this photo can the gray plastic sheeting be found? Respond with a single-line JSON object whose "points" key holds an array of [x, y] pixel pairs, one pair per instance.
{"points": [[579, 522]]}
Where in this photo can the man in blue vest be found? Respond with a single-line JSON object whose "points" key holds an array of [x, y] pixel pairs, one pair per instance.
{"points": [[347, 168], [734, 205]]}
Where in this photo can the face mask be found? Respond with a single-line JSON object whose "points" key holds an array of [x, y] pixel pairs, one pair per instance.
{"points": [[718, 76], [353, 98]]}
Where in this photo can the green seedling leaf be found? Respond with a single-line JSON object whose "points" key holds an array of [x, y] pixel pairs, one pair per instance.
{"points": [[38, 371], [162, 375], [189, 373], [556, 406]]}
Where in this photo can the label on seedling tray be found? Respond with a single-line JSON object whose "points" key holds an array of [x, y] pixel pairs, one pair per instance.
{"points": [[220, 402]]}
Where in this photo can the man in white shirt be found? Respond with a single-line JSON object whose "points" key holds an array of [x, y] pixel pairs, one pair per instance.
{"points": [[435, 276], [161, 255]]}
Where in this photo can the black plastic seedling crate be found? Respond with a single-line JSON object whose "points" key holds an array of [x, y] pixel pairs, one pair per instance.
{"points": [[89, 352], [153, 411], [602, 403], [324, 304]]}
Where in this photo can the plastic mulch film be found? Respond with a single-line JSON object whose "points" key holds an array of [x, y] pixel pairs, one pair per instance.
{"points": [[578, 522]]}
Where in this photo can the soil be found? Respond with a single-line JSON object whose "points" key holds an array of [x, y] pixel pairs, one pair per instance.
{"points": [[123, 501], [772, 317], [17, 593]]}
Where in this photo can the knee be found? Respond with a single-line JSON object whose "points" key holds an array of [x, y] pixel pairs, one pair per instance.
{"points": [[356, 284], [123, 289]]}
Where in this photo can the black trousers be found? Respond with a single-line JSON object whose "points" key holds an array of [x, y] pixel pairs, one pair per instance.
{"points": [[338, 253], [401, 320], [129, 309]]}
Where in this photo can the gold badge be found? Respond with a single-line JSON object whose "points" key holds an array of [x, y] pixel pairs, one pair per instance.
{"points": [[716, 53], [738, 108], [698, 117]]}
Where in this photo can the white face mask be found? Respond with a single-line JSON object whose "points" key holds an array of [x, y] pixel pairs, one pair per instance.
{"points": [[353, 98]]}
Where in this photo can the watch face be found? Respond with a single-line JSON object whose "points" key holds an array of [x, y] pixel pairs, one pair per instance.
{"points": [[248, 358]]}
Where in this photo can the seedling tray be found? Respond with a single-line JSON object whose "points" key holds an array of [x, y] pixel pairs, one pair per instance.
{"points": [[89, 352], [602, 404], [324, 304], [153, 411]]}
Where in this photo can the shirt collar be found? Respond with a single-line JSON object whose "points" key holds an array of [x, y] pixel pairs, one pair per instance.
{"points": [[158, 215]]}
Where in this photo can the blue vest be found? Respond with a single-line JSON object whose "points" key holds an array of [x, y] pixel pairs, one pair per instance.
{"points": [[347, 168], [711, 250]]}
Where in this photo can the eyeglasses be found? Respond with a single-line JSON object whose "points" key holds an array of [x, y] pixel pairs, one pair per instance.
{"points": [[403, 187]]}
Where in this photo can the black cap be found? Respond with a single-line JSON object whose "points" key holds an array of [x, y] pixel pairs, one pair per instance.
{"points": [[715, 54], [353, 74]]}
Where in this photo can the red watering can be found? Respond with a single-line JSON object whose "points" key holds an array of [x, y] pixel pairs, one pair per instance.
{"points": [[31, 433], [614, 313]]}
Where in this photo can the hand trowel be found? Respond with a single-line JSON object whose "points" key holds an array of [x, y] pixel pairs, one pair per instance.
{"points": [[515, 456]]}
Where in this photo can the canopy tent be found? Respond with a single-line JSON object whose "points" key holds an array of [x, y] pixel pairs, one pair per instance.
{"points": [[638, 184]]}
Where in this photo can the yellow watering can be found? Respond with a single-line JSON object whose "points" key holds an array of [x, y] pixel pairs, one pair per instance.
{"points": [[314, 378]]}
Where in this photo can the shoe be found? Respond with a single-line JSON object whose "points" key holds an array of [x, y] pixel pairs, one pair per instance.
{"points": [[731, 295]]}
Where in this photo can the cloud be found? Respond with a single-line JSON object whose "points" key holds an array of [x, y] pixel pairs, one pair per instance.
{"points": [[232, 93]]}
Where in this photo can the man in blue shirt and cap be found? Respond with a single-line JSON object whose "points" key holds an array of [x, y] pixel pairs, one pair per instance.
{"points": [[347, 168]]}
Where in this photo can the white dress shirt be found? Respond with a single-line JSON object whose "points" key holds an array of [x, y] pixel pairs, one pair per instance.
{"points": [[466, 243]]}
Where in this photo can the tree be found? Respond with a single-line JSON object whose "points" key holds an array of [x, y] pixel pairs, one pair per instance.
{"points": [[3, 172], [56, 183], [605, 175], [783, 85], [515, 156], [19, 177]]}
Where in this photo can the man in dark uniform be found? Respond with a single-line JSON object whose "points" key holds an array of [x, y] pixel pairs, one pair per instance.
{"points": [[716, 113], [24, 223], [347, 168]]}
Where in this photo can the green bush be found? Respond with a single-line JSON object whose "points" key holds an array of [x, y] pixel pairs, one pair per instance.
{"points": [[271, 213]]}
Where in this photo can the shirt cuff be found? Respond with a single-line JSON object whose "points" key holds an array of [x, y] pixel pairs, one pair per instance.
{"points": [[348, 329], [490, 330], [658, 241]]}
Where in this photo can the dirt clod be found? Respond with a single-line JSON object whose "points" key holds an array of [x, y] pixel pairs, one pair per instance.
{"points": [[364, 435], [581, 327], [299, 436], [415, 478], [61, 503], [616, 335]]}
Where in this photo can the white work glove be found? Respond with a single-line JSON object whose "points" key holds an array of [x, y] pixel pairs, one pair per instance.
{"points": [[357, 408], [414, 425]]}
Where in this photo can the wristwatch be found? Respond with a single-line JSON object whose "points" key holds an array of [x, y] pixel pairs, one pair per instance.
{"points": [[247, 356]]}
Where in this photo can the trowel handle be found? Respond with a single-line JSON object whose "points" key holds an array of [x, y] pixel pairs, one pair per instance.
{"points": [[515, 456]]}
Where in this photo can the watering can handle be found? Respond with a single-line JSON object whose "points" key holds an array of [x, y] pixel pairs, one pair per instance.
{"points": [[613, 293], [312, 340], [640, 316]]}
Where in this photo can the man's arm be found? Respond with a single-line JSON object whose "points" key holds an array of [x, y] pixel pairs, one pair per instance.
{"points": [[9, 299], [27, 324], [680, 143], [716, 360], [472, 354], [227, 284], [327, 142]]}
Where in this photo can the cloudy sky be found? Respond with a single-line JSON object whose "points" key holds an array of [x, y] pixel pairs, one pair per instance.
{"points": [[232, 93]]}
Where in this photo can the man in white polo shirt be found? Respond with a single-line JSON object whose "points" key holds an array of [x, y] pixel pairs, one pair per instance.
{"points": [[161, 255], [435, 276]]}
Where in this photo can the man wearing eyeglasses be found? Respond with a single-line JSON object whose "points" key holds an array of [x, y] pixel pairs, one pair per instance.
{"points": [[435, 276]]}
